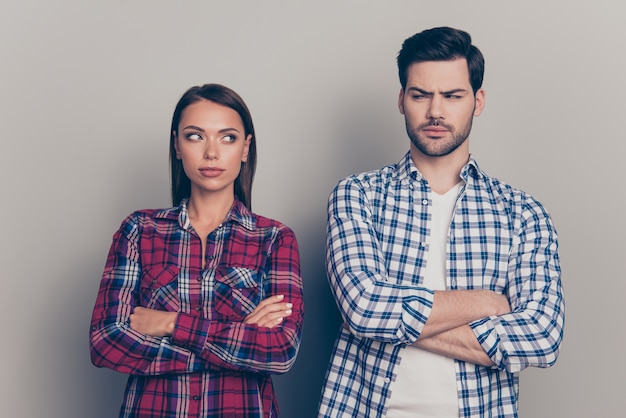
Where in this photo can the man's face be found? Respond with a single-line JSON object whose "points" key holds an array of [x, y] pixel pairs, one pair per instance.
{"points": [[438, 105]]}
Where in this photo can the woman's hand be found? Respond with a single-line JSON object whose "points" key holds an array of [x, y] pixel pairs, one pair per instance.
{"points": [[153, 322], [270, 312]]}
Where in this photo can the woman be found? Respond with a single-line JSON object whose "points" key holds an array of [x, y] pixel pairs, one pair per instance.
{"points": [[202, 302]]}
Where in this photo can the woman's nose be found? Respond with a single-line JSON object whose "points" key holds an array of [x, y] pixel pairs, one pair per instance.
{"points": [[210, 151]]}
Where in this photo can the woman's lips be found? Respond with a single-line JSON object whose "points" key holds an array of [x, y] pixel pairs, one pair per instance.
{"points": [[211, 171]]}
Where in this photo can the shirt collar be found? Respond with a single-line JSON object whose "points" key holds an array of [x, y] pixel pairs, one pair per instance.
{"points": [[406, 168], [471, 169], [239, 213]]}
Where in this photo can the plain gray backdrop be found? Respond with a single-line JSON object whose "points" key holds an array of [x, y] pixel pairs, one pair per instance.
{"points": [[87, 90]]}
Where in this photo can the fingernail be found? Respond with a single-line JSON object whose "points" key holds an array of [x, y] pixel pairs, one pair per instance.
{"points": [[281, 296], [289, 305], [288, 312]]}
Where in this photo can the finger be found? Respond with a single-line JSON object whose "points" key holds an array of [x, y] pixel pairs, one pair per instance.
{"points": [[265, 309], [276, 322], [275, 307], [270, 322], [270, 301], [272, 319], [269, 305]]}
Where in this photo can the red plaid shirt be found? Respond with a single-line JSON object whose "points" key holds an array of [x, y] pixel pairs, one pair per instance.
{"points": [[212, 365]]}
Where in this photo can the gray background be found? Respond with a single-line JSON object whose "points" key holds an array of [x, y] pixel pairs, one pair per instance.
{"points": [[86, 95]]}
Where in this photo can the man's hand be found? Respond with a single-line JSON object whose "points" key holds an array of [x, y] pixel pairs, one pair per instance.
{"points": [[270, 312], [453, 308], [458, 343], [447, 332]]}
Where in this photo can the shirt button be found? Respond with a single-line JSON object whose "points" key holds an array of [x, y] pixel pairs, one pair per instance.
{"points": [[424, 202], [197, 308], [196, 398], [199, 279], [387, 380]]}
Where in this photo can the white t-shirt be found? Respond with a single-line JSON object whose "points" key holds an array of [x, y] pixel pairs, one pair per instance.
{"points": [[425, 383]]}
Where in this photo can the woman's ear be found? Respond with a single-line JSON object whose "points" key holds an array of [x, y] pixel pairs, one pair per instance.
{"points": [[246, 149], [176, 144]]}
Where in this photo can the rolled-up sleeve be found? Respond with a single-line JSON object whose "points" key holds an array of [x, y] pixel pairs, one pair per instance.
{"points": [[372, 304], [113, 344], [531, 334]]}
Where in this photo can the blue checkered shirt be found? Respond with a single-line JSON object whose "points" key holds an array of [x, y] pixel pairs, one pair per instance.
{"points": [[500, 239]]}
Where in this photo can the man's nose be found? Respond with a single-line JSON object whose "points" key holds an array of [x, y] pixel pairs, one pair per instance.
{"points": [[435, 109]]}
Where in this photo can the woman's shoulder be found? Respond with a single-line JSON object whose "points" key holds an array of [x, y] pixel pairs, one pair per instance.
{"points": [[142, 217], [252, 220], [262, 223], [265, 222]]}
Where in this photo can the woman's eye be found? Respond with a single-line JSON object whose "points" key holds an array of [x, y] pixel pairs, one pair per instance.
{"points": [[194, 136], [230, 138]]}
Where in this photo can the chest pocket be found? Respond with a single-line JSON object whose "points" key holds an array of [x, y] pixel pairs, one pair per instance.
{"points": [[159, 288], [238, 290]]}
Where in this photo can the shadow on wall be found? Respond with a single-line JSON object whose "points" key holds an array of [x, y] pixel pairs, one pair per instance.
{"points": [[299, 390], [82, 390], [363, 139]]}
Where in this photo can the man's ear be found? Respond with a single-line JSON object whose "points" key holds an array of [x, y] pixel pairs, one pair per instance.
{"points": [[479, 102], [401, 101]]}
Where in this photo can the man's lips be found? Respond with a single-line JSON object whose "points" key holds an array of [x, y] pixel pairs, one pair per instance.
{"points": [[434, 130]]}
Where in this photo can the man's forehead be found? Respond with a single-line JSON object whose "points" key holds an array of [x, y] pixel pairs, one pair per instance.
{"points": [[440, 75]]}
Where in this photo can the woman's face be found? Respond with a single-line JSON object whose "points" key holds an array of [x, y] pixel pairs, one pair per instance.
{"points": [[211, 143]]}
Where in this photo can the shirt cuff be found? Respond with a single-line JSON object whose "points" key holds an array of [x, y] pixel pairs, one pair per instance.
{"points": [[485, 331], [190, 332], [418, 309]]}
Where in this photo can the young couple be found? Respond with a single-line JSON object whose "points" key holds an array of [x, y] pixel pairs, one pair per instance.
{"points": [[447, 280]]}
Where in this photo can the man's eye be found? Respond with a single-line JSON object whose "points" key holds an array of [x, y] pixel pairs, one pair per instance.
{"points": [[418, 97]]}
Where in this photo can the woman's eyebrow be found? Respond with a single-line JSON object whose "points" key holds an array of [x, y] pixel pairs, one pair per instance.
{"points": [[197, 128]]}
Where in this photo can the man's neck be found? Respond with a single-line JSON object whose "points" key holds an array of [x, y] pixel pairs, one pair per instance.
{"points": [[442, 173]]}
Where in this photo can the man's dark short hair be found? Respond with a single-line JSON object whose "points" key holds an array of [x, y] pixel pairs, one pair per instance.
{"points": [[442, 44]]}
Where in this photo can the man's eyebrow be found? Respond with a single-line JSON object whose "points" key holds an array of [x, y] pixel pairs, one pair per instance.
{"points": [[453, 91], [430, 93], [420, 90]]}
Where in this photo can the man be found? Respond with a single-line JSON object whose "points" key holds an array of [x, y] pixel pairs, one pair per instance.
{"points": [[447, 280]]}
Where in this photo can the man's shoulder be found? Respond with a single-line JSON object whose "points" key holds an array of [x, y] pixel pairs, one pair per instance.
{"points": [[374, 178], [512, 196]]}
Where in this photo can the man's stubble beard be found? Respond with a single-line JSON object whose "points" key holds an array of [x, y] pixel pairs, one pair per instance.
{"points": [[441, 148]]}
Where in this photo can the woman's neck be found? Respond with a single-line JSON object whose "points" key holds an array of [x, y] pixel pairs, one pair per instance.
{"points": [[207, 212]]}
